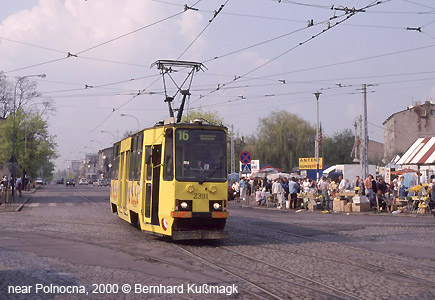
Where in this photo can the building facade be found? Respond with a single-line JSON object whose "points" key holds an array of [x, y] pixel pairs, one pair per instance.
{"points": [[402, 128]]}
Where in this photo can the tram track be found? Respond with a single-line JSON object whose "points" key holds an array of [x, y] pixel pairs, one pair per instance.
{"points": [[298, 281], [345, 259], [372, 253]]}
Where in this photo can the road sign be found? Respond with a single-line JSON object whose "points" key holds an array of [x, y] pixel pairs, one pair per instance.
{"points": [[310, 163], [245, 157], [246, 169]]}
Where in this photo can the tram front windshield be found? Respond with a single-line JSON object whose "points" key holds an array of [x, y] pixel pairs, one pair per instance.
{"points": [[200, 155]]}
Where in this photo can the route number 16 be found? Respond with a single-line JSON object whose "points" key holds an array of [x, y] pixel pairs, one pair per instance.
{"points": [[183, 135]]}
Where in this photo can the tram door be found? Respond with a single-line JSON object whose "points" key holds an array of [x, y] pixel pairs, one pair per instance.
{"points": [[123, 190], [156, 160], [152, 184]]}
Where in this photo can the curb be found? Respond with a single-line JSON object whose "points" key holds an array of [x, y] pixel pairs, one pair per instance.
{"points": [[340, 213], [19, 208]]}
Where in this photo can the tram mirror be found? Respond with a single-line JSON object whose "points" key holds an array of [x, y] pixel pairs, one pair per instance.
{"points": [[148, 155]]}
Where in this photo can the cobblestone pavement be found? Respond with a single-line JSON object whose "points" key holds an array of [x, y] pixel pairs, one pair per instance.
{"points": [[67, 237]]}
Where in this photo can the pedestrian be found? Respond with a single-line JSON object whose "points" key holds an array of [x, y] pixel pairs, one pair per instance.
{"points": [[369, 188], [276, 189], [284, 185], [19, 185], [342, 185], [381, 189], [236, 190], [243, 187], [323, 187], [306, 185], [293, 189], [260, 198]]}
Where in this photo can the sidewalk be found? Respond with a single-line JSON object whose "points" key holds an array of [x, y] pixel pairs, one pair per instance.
{"points": [[18, 203], [250, 203]]}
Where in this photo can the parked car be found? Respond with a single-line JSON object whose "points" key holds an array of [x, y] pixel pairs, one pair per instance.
{"points": [[70, 182], [39, 181], [83, 181], [103, 182]]}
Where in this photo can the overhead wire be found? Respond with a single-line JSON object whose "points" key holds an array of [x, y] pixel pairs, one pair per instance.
{"points": [[216, 12], [345, 18]]}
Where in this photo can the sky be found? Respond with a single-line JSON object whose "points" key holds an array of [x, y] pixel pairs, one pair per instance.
{"points": [[259, 57]]}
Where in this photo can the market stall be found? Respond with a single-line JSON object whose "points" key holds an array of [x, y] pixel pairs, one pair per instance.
{"points": [[421, 153]]}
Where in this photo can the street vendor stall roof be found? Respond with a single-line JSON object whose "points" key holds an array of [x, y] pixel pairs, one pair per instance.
{"points": [[422, 152]]}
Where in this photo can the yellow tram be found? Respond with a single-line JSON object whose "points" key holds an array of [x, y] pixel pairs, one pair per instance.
{"points": [[171, 180]]}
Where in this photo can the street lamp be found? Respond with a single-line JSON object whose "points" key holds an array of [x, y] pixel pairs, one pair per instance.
{"points": [[137, 120], [13, 164], [113, 136], [317, 94], [101, 145]]}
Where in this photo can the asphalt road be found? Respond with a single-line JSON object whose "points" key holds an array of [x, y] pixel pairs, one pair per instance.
{"points": [[66, 244]]}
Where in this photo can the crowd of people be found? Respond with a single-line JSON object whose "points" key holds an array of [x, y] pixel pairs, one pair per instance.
{"points": [[283, 192], [14, 185]]}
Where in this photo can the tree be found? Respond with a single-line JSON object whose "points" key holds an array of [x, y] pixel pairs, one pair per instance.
{"points": [[338, 147], [282, 139], [35, 148], [209, 116]]}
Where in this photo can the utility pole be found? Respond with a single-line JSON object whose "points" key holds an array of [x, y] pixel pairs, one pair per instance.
{"points": [[317, 94], [232, 151], [365, 136]]}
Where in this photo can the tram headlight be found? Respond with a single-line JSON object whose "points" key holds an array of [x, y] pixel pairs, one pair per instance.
{"points": [[183, 205], [216, 205]]}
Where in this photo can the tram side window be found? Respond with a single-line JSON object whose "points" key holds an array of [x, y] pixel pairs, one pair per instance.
{"points": [[168, 164], [148, 161], [115, 165], [138, 152], [131, 170]]}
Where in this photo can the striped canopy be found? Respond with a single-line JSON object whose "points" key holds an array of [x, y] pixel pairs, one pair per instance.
{"points": [[422, 152]]}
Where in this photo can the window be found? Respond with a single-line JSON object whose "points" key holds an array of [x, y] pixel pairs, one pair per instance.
{"points": [[136, 157], [168, 163], [148, 152], [200, 155], [115, 165]]}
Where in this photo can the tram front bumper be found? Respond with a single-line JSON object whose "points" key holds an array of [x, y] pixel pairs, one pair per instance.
{"points": [[199, 235]]}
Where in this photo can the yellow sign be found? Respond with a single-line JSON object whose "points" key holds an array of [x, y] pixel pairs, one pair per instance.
{"points": [[310, 163]]}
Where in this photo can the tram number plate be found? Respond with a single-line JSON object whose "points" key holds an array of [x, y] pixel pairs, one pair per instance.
{"points": [[200, 196]]}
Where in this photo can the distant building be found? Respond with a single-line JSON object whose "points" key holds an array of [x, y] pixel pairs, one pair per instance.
{"points": [[402, 128], [375, 152]]}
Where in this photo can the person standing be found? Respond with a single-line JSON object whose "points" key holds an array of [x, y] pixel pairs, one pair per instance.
{"points": [[369, 188], [236, 190], [19, 185], [293, 189], [323, 187], [284, 185], [342, 184], [276, 189]]}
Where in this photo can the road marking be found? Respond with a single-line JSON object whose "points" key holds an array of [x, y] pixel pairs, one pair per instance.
{"points": [[52, 204], [34, 204]]}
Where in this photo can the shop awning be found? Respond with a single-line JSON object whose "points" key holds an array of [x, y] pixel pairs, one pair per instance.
{"points": [[422, 152]]}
